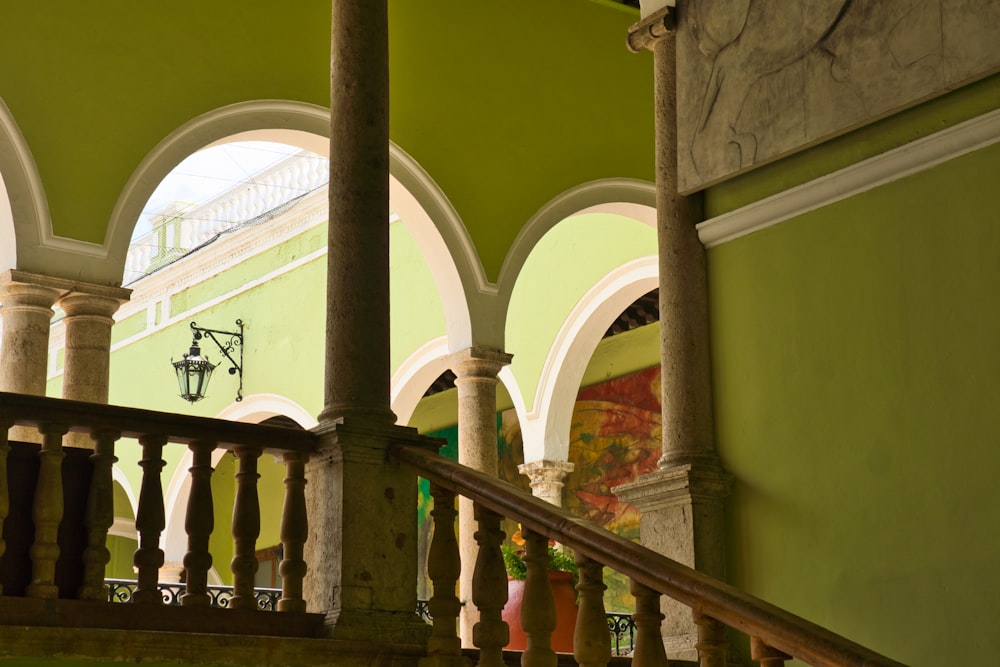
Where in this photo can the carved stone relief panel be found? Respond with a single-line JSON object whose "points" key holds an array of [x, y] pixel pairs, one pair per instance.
{"points": [[758, 79]]}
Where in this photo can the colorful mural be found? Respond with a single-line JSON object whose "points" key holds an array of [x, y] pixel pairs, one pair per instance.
{"points": [[614, 438]]}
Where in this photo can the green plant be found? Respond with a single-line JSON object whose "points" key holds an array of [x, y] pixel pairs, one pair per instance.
{"points": [[513, 560]]}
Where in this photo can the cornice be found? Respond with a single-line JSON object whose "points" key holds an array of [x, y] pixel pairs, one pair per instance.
{"points": [[888, 167]]}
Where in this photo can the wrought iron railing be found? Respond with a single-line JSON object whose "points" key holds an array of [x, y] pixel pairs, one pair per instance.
{"points": [[120, 590], [622, 627]]}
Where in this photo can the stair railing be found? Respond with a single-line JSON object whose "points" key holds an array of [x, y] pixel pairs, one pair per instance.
{"points": [[53, 418], [775, 634]]}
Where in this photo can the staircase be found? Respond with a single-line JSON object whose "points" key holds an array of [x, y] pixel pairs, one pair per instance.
{"points": [[56, 509]]}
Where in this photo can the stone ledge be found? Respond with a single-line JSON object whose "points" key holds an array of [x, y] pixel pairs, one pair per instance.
{"points": [[210, 650], [86, 616]]}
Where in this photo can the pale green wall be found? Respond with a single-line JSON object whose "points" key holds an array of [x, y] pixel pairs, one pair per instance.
{"points": [[855, 365], [416, 313]]}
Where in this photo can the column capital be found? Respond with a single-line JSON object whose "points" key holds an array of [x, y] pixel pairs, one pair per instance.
{"points": [[21, 290], [478, 362], [62, 286], [546, 478], [85, 300], [645, 33]]}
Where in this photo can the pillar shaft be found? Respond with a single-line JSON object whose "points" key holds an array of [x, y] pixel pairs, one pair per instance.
{"points": [[686, 388], [476, 380], [88, 322], [681, 503], [24, 350], [357, 327], [362, 546]]}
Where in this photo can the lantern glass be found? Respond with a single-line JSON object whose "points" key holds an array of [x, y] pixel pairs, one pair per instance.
{"points": [[193, 373]]}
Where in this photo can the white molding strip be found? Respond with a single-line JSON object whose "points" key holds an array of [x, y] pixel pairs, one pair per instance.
{"points": [[890, 166]]}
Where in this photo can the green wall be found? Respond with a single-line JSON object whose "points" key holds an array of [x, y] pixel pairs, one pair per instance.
{"points": [[855, 368], [131, 73], [477, 109]]}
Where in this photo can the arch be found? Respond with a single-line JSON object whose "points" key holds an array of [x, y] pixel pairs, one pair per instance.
{"points": [[255, 408], [545, 426], [627, 197], [467, 297], [415, 374], [295, 123], [24, 210], [118, 476], [415, 197]]}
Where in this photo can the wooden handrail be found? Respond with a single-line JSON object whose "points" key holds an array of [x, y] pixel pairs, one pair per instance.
{"points": [[79, 416], [705, 595]]}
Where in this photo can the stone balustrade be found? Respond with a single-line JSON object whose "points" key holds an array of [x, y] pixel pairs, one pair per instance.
{"points": [[775, 635], [39, 481], [39, 487]]}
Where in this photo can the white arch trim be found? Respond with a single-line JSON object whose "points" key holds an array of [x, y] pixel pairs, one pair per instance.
{"points": [[24, 209], [415, 374], [546, 425], [415, 197], [443, 239], [627, 197], [294, 123], [255, 408]]}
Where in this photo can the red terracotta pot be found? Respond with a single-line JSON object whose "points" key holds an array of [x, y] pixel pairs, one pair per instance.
{"points": [[565, 598]]}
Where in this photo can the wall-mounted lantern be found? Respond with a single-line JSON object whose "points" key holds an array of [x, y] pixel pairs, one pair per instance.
{"points": [[194, 371]]}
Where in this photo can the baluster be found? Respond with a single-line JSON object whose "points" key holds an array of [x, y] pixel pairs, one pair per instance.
{"points": [[648, 651], [47, 513], [294, 532], [100, 516], [246, 528], [767, 656], [538, 611], [489, 590], [444, 566], [199, 522], [5, 425], [591, 639], [712, 643], [150, 521]]}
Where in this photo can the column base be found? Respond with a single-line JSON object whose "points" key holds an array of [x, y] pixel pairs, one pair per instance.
{"points": [[384, 627], [682, 518], [362, 546]]}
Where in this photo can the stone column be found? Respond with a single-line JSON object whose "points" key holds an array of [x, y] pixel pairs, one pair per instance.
{"points": [[87, 365], [89, 317], [546, 478], [476, 371], [362, 507], [357, 304], [26, 301], [681, 503]]}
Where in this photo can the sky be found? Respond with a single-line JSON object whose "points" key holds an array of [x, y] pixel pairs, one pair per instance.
{"points": [[208, 173]]}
